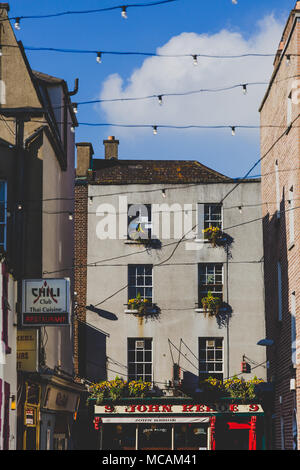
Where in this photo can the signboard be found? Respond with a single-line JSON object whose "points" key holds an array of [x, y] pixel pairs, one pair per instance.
{"points": [[62, 400], [45, 302], [30, 415], [27, 356], [169, 410], [154, 420]]}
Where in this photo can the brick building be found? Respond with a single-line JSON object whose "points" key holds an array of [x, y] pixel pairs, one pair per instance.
{"points": [[280, 167]]}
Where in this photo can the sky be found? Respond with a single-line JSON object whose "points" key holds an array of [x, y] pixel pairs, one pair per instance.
{"points": [[214, 27]]}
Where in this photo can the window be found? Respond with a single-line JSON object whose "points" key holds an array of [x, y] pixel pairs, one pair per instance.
{"points": [[140, 281], [279, 290], [210, 280], [293, 328], [277, 182], [211, 358], [3, 214], [289, 110], [291, 215], [213, 215], [139, 221], [209, 215], [140, 359]]}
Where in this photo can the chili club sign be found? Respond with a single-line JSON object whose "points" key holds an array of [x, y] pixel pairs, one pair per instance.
{"points": [[45, 302]]}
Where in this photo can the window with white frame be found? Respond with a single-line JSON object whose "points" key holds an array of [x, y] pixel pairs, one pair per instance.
{"points": [[209, 215], [279, 290], [213, 215], [291, 215], [277, 184], [3, 214], [211, 358], [139, 221], [210, 279], [140, 359], [140, 281], [289, 110], [293, 328]]}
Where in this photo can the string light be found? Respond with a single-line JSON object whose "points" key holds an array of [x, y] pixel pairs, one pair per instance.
{"points": [[195, 59], [160, 100], [154, 130], [288, 59], [163, 192], [233, 130], [245, 89], [235, 2], [124, 13], [17, 23], [91, 200], [72, 129], [70, 216], [75, 108], [1, 51], [98, 59]]}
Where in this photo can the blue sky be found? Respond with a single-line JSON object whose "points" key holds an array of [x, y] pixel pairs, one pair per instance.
{"points": [[216, 26]]}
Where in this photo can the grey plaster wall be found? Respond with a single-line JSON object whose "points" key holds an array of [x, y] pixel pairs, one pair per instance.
{"points": [[176, 282]]}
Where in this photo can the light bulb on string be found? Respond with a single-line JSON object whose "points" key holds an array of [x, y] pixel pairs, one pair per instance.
{"points": [[160, 100], [233, 130], [245, 89], [124, 13], [17, 23], [75, 108], [235, 2], [98, 59], [70, 216], [195, 59], [154, 130], [288, 59], [72, 129], [91, 200]]}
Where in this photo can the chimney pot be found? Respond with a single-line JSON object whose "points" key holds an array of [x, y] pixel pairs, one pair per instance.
{"points": [[111, 147]]}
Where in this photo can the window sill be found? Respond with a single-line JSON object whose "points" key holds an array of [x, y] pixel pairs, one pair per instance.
{"points": [[201, 310]]}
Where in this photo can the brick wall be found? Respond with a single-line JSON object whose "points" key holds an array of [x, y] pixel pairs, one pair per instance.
{"points": [[81, 219], [277, 237]]}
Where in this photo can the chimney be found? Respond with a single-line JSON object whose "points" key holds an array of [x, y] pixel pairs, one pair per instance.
{"points": [[85, 154], [111, 148]]}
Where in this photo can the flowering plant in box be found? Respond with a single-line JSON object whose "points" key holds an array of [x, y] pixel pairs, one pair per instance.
{"points": [[118, 388], [213, 234], [211, 304], [138, 304], [139, 388]]}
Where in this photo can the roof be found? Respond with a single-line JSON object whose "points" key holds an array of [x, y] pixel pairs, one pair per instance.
{"points": [[115, 171], [47, 78]]}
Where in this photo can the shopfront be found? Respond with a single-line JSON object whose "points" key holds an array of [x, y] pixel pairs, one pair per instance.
{"points": [[180, 425]]}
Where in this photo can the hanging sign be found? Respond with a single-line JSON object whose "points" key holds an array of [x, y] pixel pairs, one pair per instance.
{"points": [[45, 302], [27, 346]]}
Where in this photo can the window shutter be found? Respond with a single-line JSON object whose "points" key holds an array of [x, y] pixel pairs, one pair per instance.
{"points": [[200, 220]]}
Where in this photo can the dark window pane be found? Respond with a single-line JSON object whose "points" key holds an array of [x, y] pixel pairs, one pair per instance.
{"points": [[139, 356], [131, 343], [139, 368], [148, 368], [148, 344], [131, 369], [131, 356], [148, 356]]}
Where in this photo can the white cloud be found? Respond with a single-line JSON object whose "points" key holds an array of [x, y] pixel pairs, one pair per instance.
{"points": [[167, 75]]}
